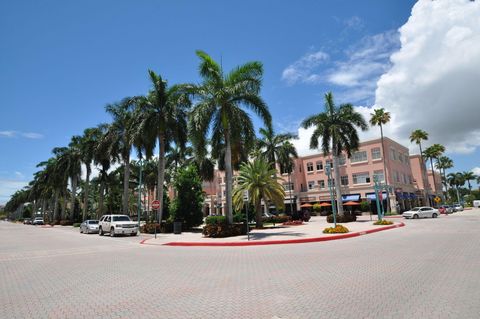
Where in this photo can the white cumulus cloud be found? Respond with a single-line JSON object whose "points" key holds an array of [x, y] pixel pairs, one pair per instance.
{"points": [[433, 82], [302, 70]]}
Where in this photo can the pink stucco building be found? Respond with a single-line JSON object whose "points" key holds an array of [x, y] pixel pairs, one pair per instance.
{"points": [[308, 183]]}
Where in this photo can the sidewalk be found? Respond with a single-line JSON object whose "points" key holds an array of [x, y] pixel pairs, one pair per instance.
{"points": [[308, 232]]}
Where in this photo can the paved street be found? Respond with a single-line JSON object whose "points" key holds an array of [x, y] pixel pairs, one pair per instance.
{"points": [[428, 269]]}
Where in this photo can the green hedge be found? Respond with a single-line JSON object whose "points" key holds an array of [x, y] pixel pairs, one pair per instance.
{"points": [[346, 218], [224, 230]]}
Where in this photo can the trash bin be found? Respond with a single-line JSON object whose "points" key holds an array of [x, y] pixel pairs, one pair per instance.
{"points": [[177, 228]]}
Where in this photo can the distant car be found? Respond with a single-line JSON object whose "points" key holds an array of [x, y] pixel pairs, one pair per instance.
{"points": [[458, 207], [116, 225], [38, 221], [89, 226], [27, 221], [421, 212], [445, 209]]}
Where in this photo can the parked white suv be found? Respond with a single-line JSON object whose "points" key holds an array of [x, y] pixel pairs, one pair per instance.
{"points": [[117, 224]]}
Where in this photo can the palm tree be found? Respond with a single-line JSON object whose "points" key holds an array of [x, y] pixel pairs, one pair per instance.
{"points": [[337, 129], [456, 180], [287, 153], [270, 144], [220, 100], [380, 117], [469, 176], [162, 116], [418, 136], [444, 163], [121, 136], [434, 152], [257, 178], [88, 143]]}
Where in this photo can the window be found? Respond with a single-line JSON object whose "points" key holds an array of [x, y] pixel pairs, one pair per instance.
{"points": [[302, 189], [321, 184], [300, 168], [288, 186], [342, 160], [344, 180], [319, 165], [360, 156], [311, 185], [379, 176], [361, 178], [400, 157], [393, 154], [376, 154], [309, 167], [397, 176]]}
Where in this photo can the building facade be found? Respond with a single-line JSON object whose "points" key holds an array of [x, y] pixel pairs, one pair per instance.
{"points": [[309, 183]]}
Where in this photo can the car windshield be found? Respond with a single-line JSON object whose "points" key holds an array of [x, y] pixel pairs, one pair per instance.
{"points": [[121, 218], [93, 222], [38, 218]]}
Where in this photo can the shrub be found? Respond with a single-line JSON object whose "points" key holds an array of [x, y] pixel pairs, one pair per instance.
{"points": [[224, 230], [149, 228], [65, 222], [293, 223], [346, 218], [317, 208], [76, 224], [383, 222], [364, 206], [276, 219], [216, 220], [336, 230], [306, 216], [239, 218]]}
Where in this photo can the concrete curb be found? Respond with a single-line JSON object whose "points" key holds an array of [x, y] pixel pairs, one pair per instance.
{"points": [[275, 242]]}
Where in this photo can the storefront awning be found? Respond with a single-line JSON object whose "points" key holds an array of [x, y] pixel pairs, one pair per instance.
{"points": [[372, 195], [350, 197]]}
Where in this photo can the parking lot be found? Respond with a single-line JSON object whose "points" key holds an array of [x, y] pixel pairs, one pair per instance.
{"points": [[428, 269]]}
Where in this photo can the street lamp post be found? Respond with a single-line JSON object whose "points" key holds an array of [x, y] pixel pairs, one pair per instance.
{"points": [[246, 213], [328, 171], [379, 188]]}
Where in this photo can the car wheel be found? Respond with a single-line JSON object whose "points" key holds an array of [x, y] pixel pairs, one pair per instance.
{"points": [[100, 231], [81, 231], [112, 232], [434, 215], [415, 216]]}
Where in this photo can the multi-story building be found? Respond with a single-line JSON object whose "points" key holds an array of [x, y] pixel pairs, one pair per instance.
{"points": [[309, 183]]}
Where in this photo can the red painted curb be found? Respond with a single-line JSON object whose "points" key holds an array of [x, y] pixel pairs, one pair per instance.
{"points": [[275, 242]]}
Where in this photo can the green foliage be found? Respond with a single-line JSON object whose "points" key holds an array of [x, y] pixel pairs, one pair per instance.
{"points": [[346, 218], [383, 222], [215, 220], [76, 224], [224, 230], [187, 206], [149, 228], [276, 219], [364, 206], [317, 208]]}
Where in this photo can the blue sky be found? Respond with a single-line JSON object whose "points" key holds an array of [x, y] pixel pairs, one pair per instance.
{"points": [[62, 62]]}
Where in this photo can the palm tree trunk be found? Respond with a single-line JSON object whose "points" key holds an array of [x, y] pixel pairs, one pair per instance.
{"points": [[336, 173], [126, 178], [258, 214], [161, 174], [74, 193], [64, 208], [87, 186], [424, 176], [44, 208], [433, 175], [55, 207], [389, 207], [100, 199], [228, 176]]}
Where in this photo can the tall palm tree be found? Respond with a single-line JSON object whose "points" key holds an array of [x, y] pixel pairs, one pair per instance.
{"points": [[162, 116], [121, 136], [270, 144], [433, 153], [444, 163], [88, 143], [221, 102], [257, 178], [469, 176], [381, 117], [456, 180], [337, 129], [287, 153], [418, 136]]}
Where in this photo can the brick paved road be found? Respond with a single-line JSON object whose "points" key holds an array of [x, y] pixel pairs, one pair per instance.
{"points": [[428, 269]]}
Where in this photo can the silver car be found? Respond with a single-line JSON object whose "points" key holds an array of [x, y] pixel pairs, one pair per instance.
{"points": [[89, 226], [421, 212]]}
